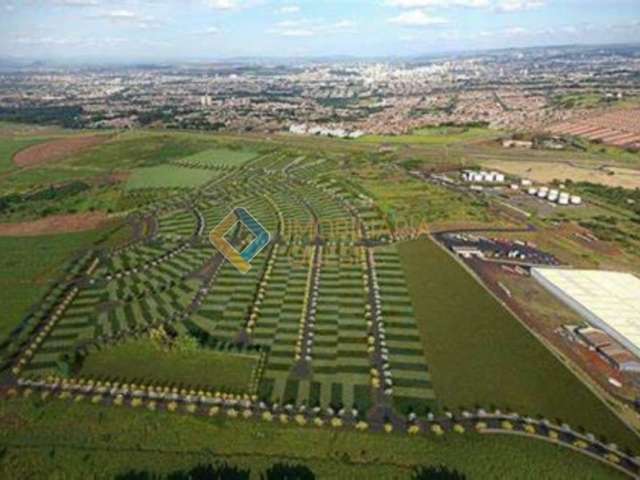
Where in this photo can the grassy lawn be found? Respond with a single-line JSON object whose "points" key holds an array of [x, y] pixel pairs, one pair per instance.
{"points": [[480, 355], [168, 176], [28, 265], [142, 361], [75, 440], [435, 136], [221, 157]]}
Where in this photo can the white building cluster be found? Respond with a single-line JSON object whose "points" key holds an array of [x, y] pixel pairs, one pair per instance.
{"points": [[304, 129], [482, 176]]}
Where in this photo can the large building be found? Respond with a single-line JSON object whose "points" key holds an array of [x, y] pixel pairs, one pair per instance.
{"points": [[609, 301]]}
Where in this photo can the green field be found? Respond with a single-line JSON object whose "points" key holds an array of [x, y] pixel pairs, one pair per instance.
{"points": [[480, 355], [219, 157], [435, 136], [143, 361], [415, 201], [59, 439], [141, 149], [28, 266], [168, 176]]}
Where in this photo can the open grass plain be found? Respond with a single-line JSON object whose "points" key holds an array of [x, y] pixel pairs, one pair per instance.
{"points": [[350, 343]]}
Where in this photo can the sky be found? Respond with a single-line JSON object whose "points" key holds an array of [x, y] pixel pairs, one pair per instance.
{"points": [[157, 30]]}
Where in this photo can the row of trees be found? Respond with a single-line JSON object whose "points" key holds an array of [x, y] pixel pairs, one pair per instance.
{"points": [[278, 471]]}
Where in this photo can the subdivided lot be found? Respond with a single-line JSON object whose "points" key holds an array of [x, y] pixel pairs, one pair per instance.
{"points": [[412, 390], [76, 440], [168, 176], [219, 158], [28, 265], [145, 362], [481, 356]]}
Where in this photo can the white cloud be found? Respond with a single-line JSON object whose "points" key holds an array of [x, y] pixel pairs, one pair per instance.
{"points": [[439, 3], [308, 28], [127, 17], [503, 6], [417, 18], [77, 3], [224, 4], [509, 6], [515, 31], [289, 9]]}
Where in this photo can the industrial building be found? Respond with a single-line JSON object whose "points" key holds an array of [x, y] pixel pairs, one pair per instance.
{"points": [[619, 357], [482, 176], [609, 301]]}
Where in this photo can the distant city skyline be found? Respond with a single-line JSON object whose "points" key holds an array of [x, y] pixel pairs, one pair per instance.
{"points": [[156, 30]]}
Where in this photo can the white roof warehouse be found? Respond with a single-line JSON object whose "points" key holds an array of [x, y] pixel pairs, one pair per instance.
{"points": [[609, 301]]}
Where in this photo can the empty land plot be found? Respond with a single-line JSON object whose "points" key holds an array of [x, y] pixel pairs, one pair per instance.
{"points": [[179, 223], [29, 267], [219, 158], [143, 361], [278, 323], [412, 387], [87, 318], [480, 355], [435, 136], [340, 362], [547, 172], [168, 176], [75, 222], [56, 150], [10, 146], [140, 149], [224, 311]]}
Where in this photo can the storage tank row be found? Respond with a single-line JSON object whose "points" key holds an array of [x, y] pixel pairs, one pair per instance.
{"points": [[555, 196]]}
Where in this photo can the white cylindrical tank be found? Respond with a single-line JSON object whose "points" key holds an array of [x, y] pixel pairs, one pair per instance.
{"points": [[563, 200], [499, 177], [576, 200], [533, 191], [542, 193]]}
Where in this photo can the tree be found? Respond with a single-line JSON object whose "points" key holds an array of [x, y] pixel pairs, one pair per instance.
{"points": [[440, 472], [283, 471]]}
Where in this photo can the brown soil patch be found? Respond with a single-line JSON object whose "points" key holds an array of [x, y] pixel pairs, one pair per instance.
{"points": [[55, 224], [546, 172], [56, 150]]}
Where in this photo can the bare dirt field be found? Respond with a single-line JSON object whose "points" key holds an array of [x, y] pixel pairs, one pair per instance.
{"points": [[545, 172], [55, 224], [56, 150]]}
